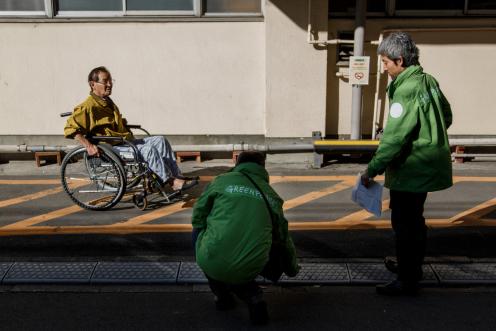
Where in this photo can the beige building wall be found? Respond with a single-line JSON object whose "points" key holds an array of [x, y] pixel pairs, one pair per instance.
{"points": [[192, 78], [296, 70], [461, 59], [257, 78]]}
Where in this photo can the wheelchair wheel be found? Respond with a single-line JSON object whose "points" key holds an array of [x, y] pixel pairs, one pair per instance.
{"points": [[140, 201], [93, 182]]}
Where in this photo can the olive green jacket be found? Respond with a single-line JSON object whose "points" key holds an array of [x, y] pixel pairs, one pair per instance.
{"points": [[414, 150], [98, 117], [236, 230]]}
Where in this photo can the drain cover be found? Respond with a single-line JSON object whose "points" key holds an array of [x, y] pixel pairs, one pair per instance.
{"points": [[190, 272], [463, 273], [50, 272], [320, 273], [135, 272]]}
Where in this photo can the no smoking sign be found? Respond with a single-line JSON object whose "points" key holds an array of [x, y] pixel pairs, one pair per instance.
{"points": [[359, 70]]}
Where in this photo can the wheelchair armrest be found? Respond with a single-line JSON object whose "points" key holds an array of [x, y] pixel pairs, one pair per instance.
{"points": [[134, 126], [69, 113], [106, 138]]}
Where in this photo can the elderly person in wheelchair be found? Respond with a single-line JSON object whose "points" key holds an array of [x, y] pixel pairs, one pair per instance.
{"points": [[98, 115]]}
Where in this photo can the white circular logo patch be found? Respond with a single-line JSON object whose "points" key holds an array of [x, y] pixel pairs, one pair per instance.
{"points": [[396, 110]]}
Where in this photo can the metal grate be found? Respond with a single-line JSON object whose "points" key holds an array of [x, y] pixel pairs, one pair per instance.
{"points": [[136, 272], [190, 272], [50, 272], [463, 273], [377, 272], [4, 267], [369, 273], [324, 273]]}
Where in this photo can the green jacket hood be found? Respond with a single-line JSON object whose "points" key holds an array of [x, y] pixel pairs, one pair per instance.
{"points": [[251, 168]]}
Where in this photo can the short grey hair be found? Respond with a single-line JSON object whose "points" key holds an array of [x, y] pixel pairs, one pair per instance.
{"points": [[400, 44]]}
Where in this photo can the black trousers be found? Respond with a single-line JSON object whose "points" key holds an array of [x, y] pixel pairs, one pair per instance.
{"points": [[249, 292], [408, 222]]}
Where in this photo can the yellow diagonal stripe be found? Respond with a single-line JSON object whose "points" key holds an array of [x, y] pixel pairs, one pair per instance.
{"points": [[29, 197], [171, 209], [316, 195], [360, 215], [42, 218]]}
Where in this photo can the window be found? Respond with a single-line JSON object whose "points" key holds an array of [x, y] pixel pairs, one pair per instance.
{"points": [[347, 7], [89, 7], [482, 4], [123, 8], [233, 6], [417, 8], [430, 7], [22, 7], [160, 5]]}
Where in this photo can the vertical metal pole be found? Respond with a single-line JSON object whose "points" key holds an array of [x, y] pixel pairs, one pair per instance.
{"points": [[356, 95]]}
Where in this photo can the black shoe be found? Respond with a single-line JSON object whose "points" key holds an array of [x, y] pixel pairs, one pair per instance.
{"points": [[258, 313], [188, 177], [225, 303], [391, 264], [188, 184], [397, 288]]}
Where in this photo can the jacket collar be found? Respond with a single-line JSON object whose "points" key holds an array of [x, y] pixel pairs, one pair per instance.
{"points": [[253, 169], [404, 75], [104, 102]]}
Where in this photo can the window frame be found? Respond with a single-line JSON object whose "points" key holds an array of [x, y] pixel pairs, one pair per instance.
{"points": [[391, 11], [478, 12], [227, 14], [196, 11], [30, 13]]}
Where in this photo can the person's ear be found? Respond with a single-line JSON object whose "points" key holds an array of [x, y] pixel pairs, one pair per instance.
{"points": [[400, 61]]}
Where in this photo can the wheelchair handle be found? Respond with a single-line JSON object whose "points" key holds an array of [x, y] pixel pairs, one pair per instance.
{"points": [[69, 113]]}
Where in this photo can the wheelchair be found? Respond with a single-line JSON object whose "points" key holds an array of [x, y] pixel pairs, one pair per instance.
{"points": [[99, 182]]}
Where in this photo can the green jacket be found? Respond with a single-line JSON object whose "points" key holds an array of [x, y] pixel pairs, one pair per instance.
{"points": [[98, 117], [414, 150], [236, 231]]}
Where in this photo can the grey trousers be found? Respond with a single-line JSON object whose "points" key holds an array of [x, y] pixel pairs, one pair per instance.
{"points": [[158, 154]]}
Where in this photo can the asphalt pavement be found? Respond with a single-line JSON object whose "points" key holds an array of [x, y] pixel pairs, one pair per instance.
{"points": [[55, 306]]}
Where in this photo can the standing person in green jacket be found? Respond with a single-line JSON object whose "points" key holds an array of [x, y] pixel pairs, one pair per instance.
{"points": [[415, 154], [232, 234]]}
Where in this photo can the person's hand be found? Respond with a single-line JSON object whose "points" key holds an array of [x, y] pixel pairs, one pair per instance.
{"points": [[92, 150], [365, 180]]}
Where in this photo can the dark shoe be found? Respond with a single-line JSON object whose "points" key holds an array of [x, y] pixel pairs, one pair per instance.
{"points": [[391, 264], [397, 288], [188, 177], [258, 313], [189, 184], [225, 303]]}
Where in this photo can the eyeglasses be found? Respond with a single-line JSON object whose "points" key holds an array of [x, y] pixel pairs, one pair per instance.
{"points": [[108, 82]]}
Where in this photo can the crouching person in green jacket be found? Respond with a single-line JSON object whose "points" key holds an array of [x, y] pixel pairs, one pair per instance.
{"points": [[415, 154], [232, 234]]}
